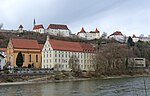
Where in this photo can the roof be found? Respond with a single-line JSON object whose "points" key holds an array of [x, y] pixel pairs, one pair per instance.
{"points": [[82, 31], [117, 33], [38, 27], [3, 49], [57, 26], [41, 46], [20, 26], [70, 46], [96, 30], [133, 36], [25, 43]]}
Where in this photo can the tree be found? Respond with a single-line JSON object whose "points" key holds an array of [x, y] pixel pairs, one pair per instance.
{"points": [[19, 60], [130, 42], [74, 63], [104, 35]]}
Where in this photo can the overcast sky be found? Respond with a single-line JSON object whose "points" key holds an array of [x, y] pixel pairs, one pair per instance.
{"points": [[128, 16]]}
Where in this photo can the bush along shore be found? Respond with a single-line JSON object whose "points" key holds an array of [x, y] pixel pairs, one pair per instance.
{"points": [[11, 79]]}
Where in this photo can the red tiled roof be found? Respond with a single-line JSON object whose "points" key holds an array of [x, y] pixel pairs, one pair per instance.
{"points": [[87, 47], [3, 49], [82, 31], [116, 33], [70, 46], [41, 46], [57, 26], [38, 27], [96, 30], [133, 36], [25, 43]]}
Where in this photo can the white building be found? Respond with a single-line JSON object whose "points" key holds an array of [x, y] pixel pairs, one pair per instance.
{"points": [[2, 57], [89, 35], [144, 39], [58, 30], [58, 52], [20, 29], [138, 62], [39, 28], [118, 36]]}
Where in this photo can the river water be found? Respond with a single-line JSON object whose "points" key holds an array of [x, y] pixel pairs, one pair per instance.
{"points": [[108, 87]]}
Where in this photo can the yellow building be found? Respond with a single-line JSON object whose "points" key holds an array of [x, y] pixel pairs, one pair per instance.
{"points": [[30, 50]]}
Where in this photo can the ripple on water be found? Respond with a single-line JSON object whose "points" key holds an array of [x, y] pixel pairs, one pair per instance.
{"points": [[111, 87]]}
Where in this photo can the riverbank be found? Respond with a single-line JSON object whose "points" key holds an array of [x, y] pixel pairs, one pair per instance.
{"points": [[46, 80]]}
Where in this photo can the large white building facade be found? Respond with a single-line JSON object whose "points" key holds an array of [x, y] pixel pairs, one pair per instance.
{"points": [[59, 53], [53, 29], [144, 39], [58, 30], [118, 36], [89, 35], [39, 28]]}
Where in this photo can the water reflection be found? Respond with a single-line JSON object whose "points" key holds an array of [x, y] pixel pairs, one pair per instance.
{"points": [[110, 87]]}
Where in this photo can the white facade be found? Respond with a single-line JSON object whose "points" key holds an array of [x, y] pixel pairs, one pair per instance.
{"points": [[119, 38], [40, 30], [89, 35], [2, 61], [82, 35], [139, 62], [59, 32], [20, 29], [51, 58]]}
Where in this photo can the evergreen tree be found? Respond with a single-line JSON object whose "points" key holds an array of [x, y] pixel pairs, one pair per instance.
{"points": [[19, 60], [130, 41]]}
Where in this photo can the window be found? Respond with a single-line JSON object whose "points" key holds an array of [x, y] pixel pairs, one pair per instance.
{"points": [[36, 58], [23, 57], [56, 60], [30, 58], [55, 55]]}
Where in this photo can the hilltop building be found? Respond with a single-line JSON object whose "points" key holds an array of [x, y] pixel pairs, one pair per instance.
{"points": [[60, 53], [53, 29], [118, 36], [39, 28], [58, 30], [144, 39], [20, 29], [30, 49], [89, 35]]}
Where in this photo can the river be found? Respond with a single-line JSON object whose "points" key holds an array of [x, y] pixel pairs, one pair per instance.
{"points": [[133, 86]]}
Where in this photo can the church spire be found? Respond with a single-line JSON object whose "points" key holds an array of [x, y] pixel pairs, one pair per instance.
{"points": [[34, 22]]}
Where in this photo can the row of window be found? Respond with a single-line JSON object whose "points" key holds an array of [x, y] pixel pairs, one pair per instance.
{"points": [[65, 55], [67, 66], [66, 61]]}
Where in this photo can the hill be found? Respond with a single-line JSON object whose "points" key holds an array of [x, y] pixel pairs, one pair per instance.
{"points": [[5, 36]]}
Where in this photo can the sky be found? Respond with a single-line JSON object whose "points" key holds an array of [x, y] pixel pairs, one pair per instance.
{"points": [[128, 16]]}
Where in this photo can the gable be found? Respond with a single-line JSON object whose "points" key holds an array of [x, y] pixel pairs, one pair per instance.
{"points": [[47, 46]]}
